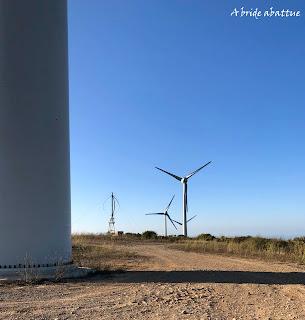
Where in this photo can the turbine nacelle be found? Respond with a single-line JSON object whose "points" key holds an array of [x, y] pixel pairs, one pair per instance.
{"points": [[183, 180]]}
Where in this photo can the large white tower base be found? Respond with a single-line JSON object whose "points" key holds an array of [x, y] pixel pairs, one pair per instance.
{"points": [[50, 273], [35, 227]]}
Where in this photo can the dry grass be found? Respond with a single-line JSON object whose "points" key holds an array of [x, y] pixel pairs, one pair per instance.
{"points": [[106, 253], [102, 253], [252, 247]]}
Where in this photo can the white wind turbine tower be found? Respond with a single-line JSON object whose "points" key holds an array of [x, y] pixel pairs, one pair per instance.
{"points": [[166, 215], [184, 181], [35, 211]]}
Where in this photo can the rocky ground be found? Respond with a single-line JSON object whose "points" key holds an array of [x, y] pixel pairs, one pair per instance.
{"points": [[170, 284]]}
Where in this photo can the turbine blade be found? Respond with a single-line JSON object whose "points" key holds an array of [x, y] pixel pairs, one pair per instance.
{"points": [[105, 202], [194, 172], [115, 198], [171, 220], [171, 174], [191, 218], [170, 203], [148, 214], [177, 222]]}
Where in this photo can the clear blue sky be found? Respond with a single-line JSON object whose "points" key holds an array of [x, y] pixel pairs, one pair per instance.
{"points": [[176, 84]]}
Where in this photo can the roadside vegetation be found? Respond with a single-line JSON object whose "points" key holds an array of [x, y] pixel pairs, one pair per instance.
{"points": [[112, 253], [252, 247]]}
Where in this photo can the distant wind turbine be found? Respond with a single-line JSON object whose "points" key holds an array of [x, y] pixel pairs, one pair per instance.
{"points": [[166, 215], [184, 181]]}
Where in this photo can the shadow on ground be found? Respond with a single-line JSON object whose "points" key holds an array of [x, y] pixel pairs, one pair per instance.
{"points": [[238, 277]]}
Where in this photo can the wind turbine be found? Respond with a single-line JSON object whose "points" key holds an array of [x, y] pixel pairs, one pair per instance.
{"points": [[184, 181], [166, 215], [114, 202]]}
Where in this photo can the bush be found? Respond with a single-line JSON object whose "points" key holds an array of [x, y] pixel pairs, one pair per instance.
{"points": [[299, 239], [132, 235], [239, 239], [205, 237], [149, 234]]}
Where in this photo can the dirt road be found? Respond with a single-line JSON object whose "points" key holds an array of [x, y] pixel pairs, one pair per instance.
{"points": [[170, 285]]}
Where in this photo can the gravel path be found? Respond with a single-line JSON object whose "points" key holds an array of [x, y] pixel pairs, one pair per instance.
{"points": [[170, 285]]}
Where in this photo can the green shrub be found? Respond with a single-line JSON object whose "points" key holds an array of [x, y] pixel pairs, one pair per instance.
{"points": [[149, 234], [205, 237], [132, 235]]}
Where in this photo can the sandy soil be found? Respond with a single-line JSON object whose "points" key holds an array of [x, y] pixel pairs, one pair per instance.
{"points": [[170, 285]]}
